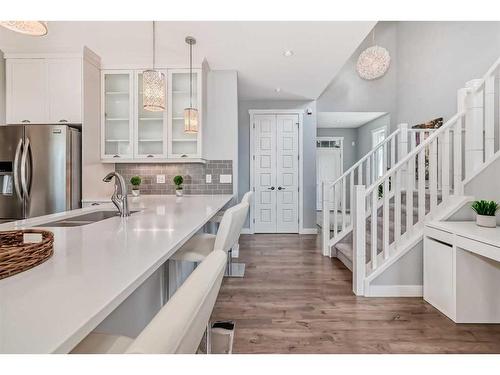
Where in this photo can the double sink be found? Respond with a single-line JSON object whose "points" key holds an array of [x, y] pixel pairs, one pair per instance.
{"points": [[84, 219]]}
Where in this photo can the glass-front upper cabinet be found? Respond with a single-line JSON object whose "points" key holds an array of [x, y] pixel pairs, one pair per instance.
{"points": [[150, 127], [183, 145], [117, 115]]}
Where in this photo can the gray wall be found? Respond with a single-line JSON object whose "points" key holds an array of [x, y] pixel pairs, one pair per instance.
{"points": [[435, 59], [350, 136], [430, 62], [364, 134], [349, 93], [309, 155]]}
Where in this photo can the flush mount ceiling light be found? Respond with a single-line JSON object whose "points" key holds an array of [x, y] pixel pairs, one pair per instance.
{"points": [[373, 62], [277, 89], [288, 53], [190, 113], [153, 85], [35, 28]]}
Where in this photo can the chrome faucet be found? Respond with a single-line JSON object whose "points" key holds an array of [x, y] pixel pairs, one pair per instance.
{"points": [[119, 197]]}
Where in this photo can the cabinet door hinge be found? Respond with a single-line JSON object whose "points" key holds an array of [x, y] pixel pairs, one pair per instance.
{"points": [[254, 125], [253, 156], [254, 221]]}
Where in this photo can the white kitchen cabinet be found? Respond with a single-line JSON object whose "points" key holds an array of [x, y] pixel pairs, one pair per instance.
{"points": [[65, 90], [44, 90], [26, 89], [180, 144], [150, 128], [117, 114], [131, 134]]}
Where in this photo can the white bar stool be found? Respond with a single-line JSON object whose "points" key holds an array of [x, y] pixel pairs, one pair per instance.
{"points": [[200, 245], [179, 326]]}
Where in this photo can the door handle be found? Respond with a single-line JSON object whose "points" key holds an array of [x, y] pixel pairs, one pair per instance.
{"points": [[63, 120], [270, 188], [25, 121], [150, 156], [281, 188], [24, 163], [16, 169]]}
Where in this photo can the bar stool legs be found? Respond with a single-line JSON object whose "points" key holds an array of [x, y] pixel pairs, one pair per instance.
{"points": [[234, 269]]}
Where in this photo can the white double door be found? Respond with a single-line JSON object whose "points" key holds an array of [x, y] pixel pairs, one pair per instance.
{"points": [[276, 173]]}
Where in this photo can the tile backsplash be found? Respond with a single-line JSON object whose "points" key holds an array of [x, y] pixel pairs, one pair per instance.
{"points": [[194, 176]]}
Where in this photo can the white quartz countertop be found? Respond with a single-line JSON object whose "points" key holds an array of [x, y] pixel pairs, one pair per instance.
{"points": [[51, 307], [469, 229]]}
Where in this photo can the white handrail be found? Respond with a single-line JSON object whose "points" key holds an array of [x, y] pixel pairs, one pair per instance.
{"points": [[364, 158], [416, 151]]}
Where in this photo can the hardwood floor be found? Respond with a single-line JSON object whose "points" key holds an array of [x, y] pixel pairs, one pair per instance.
{"points": [[294, 300]]}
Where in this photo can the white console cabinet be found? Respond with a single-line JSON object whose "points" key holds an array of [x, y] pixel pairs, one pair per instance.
{"points": [[462, 271]]}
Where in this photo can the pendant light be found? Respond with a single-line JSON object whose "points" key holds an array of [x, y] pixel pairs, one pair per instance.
{"points": [[373, 62], [190, 113], [35, 28], [153, 85]]}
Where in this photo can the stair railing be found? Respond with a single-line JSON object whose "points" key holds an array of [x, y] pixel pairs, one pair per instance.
{"points": [[440, 164], [338, 195]]}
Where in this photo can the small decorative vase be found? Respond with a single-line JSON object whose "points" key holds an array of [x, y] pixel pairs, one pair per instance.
{"points": [[486, 221], [178, 192], [136, 192]]}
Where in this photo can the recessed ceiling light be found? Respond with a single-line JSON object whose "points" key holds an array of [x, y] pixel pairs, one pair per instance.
{"points": [[288, 53], [277, 89]]}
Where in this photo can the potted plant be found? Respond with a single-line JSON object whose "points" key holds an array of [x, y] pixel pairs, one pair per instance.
{"points": [[485, 211], [136, 182], [178, 180]]}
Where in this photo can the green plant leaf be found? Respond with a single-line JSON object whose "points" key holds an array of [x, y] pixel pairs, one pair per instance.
{"points": [[484, 207]]}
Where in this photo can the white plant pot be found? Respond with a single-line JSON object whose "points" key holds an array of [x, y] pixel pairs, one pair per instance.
{"points": [[179, 193], [486, 221], [136, 192]]}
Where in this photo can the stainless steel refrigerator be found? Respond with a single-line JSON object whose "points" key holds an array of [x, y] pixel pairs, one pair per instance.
{"points": [[40, 170]]}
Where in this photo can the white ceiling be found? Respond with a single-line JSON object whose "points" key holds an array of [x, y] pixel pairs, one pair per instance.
{"points": [[254, 49], [345, 119]]}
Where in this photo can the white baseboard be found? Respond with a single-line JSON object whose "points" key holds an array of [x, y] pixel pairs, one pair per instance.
{"points": [[246, 231], [394, 291], [308, 231]]}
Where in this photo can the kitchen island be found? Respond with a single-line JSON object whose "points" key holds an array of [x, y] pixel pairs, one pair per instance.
{"points": [[95, 267]]}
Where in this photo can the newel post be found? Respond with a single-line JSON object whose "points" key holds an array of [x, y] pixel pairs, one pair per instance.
{"points": [[474, 127], [359, 240], [326, 219]]}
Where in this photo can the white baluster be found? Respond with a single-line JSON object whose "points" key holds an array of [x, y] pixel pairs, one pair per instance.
{"points": [[433, 175], [385, 220], [351, 195], [335, 209], [457, 157], [489, 117], [445, 158], [374, 228], [393, 152], [359, 240], [421, 186], [403, 147], [344, 201], [474, 127], [326, 219], [384, 160], [397, 205], [410, 180], [360, 174], [368, 180]]}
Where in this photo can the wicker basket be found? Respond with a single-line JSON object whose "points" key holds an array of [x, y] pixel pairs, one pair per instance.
{"points": [[17, 256]]}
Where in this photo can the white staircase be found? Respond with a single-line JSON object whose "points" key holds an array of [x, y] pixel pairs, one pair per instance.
{"points": [[422, 181]]}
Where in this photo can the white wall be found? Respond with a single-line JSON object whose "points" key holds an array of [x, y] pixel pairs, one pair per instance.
{"points": [[2, 89], [309, 155], [221, 133]]}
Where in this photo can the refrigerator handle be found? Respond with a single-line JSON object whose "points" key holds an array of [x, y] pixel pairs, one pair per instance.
{"points": [[16, 170], [24, 164]]}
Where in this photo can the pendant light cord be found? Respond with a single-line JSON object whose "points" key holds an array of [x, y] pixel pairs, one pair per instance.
{"points": [[154, 44], [191, 75]]}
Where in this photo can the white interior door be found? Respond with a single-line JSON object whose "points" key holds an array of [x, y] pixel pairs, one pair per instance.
{"points": [[276, 174], [265, 173], [287, 178], [328, 168]]}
